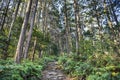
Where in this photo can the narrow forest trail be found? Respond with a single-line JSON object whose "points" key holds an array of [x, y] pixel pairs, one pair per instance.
{"points": [[52, 73]]}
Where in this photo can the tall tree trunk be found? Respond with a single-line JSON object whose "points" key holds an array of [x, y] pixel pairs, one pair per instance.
{"points": [[13, 20], [109, 20], [114, 15], [67, 29], [1, 8], [76, 8], [97, 16], [39, 14], [23, 9], [4, 16], [116, 20], [2, 4], [113, 35], [22, 34], [44, 18], [9, 35], [116, 49], [31, 28]]}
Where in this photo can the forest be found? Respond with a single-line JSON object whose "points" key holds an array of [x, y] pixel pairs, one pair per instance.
{"points": [[59, 39]]}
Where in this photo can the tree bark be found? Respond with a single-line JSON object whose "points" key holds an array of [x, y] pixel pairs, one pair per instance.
{"points": [[109, 20], [114, 15], [40, 53], [76, 8], [22, 34], [9, 35], [67, 29], [4, 16], [31, 28], [14, 18], [35, 42]]}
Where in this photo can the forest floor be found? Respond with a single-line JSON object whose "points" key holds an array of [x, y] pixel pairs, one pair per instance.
{"points": [[53, 73]]}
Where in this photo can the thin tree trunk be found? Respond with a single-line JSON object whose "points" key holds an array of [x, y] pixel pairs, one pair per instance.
{"points": [[21, 9], [97, 16], [2, 4], [44, 18], [22, 34], [77, 25], [9, 35], [109, 21], [39, 14], [60, 45], [40, 53], [35, 42], [67, 29], [14, 18], [31, 28], [114, 15], [5, 15], [1, 9]]}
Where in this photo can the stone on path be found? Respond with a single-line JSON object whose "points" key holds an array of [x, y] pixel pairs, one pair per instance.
{"points": [[51, 73]]}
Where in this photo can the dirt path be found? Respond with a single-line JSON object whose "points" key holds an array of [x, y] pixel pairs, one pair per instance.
{"points": [[52, 73]]}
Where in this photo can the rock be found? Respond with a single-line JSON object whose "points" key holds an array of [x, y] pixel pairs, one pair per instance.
{"points": [[61, 78], [53, 78], [51, 73]]}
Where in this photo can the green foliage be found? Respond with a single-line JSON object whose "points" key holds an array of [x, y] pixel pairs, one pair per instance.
{"points": [[86, 47], [95, 67], [17, 27], [27, 70], [105, 73], [43, 61], [14, 36], [43, 39], [82, 69], [3, 42], [44, 42], [54, 48]]}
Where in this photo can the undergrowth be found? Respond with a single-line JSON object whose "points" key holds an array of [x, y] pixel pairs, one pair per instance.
{"points": [[27, 70], [94, 67]]}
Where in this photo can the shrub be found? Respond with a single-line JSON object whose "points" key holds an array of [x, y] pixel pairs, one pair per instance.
{"points": [[26, 70], [95, 67]]}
